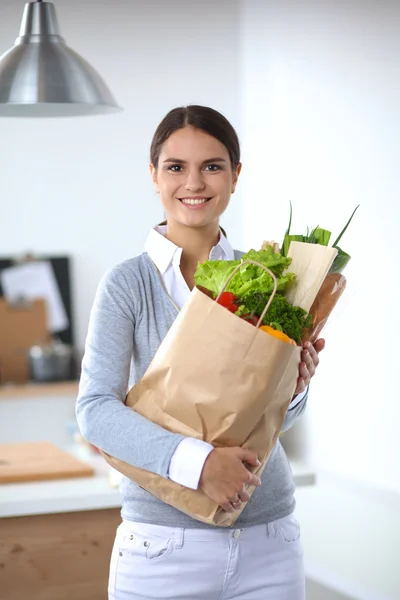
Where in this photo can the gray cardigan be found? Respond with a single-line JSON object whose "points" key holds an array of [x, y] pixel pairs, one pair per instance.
{"points": [[130, 317]]}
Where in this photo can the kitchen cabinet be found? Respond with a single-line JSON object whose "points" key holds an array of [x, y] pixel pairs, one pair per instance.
{"points": [[62, 556]]}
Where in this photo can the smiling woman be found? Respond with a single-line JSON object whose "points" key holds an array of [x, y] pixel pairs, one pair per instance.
{"points": [[195, 165]]}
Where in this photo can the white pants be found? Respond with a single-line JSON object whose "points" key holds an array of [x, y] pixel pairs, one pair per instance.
{"points": [[264, 562]]}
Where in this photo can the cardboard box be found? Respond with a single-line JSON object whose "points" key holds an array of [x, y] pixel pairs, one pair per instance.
{"points": [[21, 326]]}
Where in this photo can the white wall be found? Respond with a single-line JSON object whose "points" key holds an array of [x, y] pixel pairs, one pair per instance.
{"points": [[81, 186], [321, 97], [318, 114], [312, 87]]}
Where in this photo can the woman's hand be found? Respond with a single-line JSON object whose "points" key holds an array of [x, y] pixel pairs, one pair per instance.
{"points": [[225, 476], [310, 361]]}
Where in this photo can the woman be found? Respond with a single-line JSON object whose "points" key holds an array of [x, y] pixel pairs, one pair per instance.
{"points": [[160, 552]]}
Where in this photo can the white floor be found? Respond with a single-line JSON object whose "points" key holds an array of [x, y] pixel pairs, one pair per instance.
{"points": [[351, 538], [315, 591]]}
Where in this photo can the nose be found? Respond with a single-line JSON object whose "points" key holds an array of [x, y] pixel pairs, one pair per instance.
{"points": [[194, 181]]}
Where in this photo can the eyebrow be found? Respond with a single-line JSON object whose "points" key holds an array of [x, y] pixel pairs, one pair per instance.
{"points": [[182, 162]]}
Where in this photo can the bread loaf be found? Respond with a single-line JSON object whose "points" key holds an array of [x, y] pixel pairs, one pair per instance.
{"points": [[329, 293]]}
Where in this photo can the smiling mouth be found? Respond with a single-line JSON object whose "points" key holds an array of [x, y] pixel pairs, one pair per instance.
{"points": [[194, 201]]}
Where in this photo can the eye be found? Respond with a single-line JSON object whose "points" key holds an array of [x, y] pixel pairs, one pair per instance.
{"points": [[213, 167], [175, 168]]}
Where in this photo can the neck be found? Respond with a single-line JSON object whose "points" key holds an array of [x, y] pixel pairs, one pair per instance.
{"points": [[196, 242]]}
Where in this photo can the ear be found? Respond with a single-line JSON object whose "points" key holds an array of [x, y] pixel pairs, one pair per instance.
{"points": [[154, 177], [236, 176]]}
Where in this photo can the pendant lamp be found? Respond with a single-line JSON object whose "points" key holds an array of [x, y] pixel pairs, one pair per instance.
{"points": [[40, 76]]}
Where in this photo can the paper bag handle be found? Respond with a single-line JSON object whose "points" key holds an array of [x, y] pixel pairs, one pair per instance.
{"points": [[257, 264]]}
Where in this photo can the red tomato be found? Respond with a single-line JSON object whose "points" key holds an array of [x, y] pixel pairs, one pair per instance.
{"points": [[233, 308], [227, 299], [253, 320]]}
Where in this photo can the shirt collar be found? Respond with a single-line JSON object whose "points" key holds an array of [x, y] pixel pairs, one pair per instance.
{"points": [[162, 251], [224, 246]]}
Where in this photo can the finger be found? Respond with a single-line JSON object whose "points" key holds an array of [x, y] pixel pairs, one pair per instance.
{"points": [[236, 505], [253, 480], [319, 345], [309, 365], [309, 357], [301, 386], [249, 457], [244, 496], [314, 356], [227, 507], [234, 499], [305, 374]]}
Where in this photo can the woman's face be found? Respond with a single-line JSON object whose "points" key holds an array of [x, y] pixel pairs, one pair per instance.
{"points": [[194, 177]]}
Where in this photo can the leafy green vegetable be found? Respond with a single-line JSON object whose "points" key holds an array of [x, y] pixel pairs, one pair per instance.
{"points": [[311, 239], [281, 314], [291, 238], [273, 260], [212, 274], [335, 244], [253, 287], [340, 261], [250, 278], [322, 237], [286, 240]]}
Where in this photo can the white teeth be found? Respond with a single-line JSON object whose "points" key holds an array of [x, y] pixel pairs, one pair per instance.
{"points": [[192, 201]]}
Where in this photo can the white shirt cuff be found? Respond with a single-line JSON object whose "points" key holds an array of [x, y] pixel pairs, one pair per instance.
{"points": [[187, 462], [297, 399]]}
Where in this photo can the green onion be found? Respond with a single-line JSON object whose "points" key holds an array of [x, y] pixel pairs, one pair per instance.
{"points": [[285, 246], [340, 261], [345, 227], [311, 239], [291, 238], [322, 236]]}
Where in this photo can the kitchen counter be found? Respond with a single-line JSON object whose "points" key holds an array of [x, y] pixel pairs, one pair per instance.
{"points": [[62, 495], [84, 493], [31, 389]]}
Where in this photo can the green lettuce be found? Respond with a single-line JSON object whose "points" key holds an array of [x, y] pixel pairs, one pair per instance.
{"points": [[213, 274]]}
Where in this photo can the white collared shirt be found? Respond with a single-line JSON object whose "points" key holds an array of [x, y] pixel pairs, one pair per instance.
{"points": [[167, 257], [190, 455]]}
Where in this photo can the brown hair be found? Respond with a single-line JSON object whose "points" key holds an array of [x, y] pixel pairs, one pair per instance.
{"points": [[201, 117]]}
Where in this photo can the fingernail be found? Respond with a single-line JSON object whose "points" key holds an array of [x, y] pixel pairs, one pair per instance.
{"points": [[307, 345], [258, 463]]}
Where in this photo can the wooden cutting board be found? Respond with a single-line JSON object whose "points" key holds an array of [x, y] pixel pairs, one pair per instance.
{"points": [[38, 461]]}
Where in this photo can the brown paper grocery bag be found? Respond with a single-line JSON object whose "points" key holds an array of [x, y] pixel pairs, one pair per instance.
{"points": [[217, 378]]}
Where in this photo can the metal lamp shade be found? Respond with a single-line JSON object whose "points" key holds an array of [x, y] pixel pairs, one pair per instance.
{"points": [[42, 77]]}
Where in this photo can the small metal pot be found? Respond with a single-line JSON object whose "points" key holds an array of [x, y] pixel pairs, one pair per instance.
{"points": [[50, 363]]}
